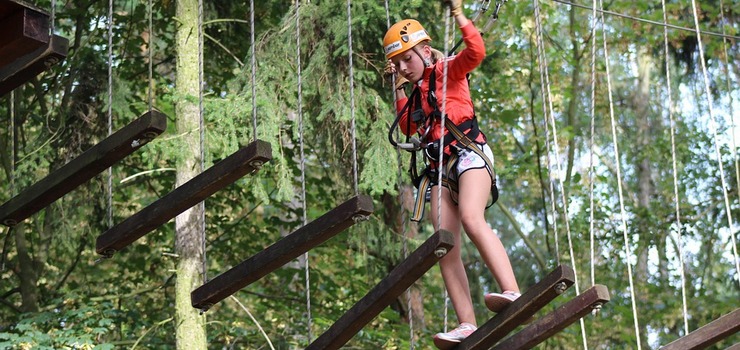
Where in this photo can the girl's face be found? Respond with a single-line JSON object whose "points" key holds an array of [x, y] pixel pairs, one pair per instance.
{"points": [[410, 65]]}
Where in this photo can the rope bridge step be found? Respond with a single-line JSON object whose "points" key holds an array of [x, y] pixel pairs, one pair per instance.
{"points": [[557, 320], [246, 160], [709, 334], [26, 47], [519, 311], [282, 252], [385, 292], [81, 169]]}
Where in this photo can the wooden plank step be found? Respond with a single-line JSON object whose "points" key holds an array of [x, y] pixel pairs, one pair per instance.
{"points": [[385, 292], [282, 252], [26, 46], [554, 322], [30, 65], [246, 160], [24, 30], [709, 334], [81, 169], [534, 299]]}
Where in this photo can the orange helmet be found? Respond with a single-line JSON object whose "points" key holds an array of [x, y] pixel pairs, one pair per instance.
{"points": [[402, 36]]}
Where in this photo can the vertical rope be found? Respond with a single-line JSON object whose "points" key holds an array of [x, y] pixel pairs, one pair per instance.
{"points": [[52, 18], [109, 184], [302, 162], [442, 133], [150, 93], [352, 98], [591, 142], [627, 250], [12, 174], [728, 212], [559, 177], [400, 195], [679, 228], [545, 97], [254, 71], [729, 88], [202, 130], [12, 147]]}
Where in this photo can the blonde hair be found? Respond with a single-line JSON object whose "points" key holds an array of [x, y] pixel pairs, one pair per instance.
{"points": [[436, 54]]}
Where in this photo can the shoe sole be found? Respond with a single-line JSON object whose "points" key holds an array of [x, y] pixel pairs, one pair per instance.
{"points": [[444, 344], [496, 303]]}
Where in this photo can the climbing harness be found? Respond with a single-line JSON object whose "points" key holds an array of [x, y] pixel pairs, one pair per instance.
{"points": [[465, 136]]}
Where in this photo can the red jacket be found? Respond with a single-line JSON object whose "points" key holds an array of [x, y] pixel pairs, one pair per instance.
{"points": [[459, 107]]}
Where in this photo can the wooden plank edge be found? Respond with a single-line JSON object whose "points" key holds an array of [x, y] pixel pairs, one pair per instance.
{"points": [[24, 31], [282, 252], [385, 292], [534, 299], [557, 320], [27, 67], [708, 334], [83, 168], [184, 197]]}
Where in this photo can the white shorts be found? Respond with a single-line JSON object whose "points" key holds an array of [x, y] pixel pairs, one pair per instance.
{"points": [[468, 159]]}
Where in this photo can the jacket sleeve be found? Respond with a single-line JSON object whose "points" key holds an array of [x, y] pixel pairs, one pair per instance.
{"points": [[471, 56]]}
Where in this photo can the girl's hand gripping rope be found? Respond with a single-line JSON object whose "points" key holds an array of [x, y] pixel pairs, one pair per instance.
{"points": [[390, 72], [455, 7]]}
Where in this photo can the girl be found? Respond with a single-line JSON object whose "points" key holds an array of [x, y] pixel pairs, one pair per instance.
{"points": [[467, 162]]}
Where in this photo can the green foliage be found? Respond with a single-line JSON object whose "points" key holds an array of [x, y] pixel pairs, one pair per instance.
{"points": [[63, 328]]}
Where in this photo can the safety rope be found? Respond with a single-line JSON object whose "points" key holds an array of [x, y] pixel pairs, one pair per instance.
{"points": [[729, 89], [404, 217], [559, 169], [591, 145], [728, 211], [679, 225], [52, 18], [352, 98], [150, 90], [109, 185], [545, 97], [656, 23], [628, 252], [12, 173], [12, 144], [302, 161], [440, 156], [202, 129], [254, 70]]}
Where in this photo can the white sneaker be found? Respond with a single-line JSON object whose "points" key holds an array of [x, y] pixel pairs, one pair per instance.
{"points": [[498, 301], [450, 339]]}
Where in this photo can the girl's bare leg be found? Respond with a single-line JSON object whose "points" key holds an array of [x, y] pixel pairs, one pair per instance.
{"points": [[472, 203], [453, 270]]}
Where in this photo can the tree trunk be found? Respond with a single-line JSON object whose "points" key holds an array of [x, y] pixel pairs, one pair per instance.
{"points": [[190, 325]]}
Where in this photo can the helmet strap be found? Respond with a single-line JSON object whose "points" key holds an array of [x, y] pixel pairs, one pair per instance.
{"points": [[426, 61]]}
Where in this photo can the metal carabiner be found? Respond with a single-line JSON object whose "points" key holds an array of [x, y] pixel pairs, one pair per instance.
{"points": [[494, 16]]}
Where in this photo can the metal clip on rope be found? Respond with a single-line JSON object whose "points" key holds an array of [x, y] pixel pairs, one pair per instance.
{"points": [[414, 145]]}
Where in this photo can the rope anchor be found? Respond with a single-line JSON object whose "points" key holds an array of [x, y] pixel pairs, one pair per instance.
{"points": [[440, 252], [560, 288]]}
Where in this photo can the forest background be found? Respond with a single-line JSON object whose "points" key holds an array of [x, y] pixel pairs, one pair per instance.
{"points": [[56, 294]]}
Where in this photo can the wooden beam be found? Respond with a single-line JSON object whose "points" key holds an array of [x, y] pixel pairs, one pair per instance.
{"points": [[385, 292], [709, 334], [520, 310], [282, 252], [557, 320], [249, 159], [81, 169], [30, 65], [24, 31]]}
